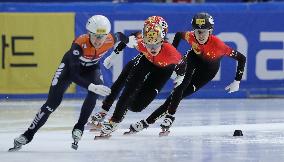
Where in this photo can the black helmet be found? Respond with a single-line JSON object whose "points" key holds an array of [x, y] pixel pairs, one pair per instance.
{"points": [[202, 20]]}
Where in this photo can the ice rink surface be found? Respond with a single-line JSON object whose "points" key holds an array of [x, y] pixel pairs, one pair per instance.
{"points": [[203, 131]]}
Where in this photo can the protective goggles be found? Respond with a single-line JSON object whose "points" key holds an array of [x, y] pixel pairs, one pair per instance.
{"points": [[153, 46], [201, 31], [98, 36]]}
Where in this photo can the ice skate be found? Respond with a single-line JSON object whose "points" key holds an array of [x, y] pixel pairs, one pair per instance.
{"points": [[76, 135], [18, 143], [164, 132], [107, 129], [102, 136], [166, 124], [96, 122], [137, 127]]}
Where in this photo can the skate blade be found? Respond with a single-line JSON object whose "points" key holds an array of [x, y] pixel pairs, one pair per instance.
{"points": [[14, 149], [102, 137], [164, 133], [74, 146], [129, 133], [95, 130]]}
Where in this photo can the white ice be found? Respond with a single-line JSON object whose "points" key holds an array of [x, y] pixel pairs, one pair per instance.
{"points": [[203, 131]]}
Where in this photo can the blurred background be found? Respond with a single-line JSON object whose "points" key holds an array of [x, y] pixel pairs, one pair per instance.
{"points": [[35, 34]]}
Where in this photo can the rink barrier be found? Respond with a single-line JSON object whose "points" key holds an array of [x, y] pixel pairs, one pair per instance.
{"points": [[255, 30]]}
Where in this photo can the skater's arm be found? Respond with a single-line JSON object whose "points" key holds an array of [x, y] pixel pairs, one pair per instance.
{"points": [[108, 62], [74, 65], [241, 64], [178, 36]]}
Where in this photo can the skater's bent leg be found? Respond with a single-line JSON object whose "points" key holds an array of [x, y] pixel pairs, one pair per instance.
{"points": [[54, 99], [86, 110], [39, 120], [117, 86], [158, 113]]}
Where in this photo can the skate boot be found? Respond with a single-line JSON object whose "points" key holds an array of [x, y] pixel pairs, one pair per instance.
{"points": [[107, 128], [76, 135], [137, 127], [18, 143], [166, 124], [96, 121]]}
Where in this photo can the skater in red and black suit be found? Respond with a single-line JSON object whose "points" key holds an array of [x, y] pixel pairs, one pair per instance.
{"points": [[149, 73], [97, 119], [95, 123], [202, 64]]}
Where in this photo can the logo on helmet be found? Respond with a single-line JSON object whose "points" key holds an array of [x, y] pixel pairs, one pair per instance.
{"points": [[200, 22], [101, 31]]}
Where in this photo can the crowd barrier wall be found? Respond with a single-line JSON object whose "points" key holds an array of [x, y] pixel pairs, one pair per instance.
{"points": [[45, 31]]}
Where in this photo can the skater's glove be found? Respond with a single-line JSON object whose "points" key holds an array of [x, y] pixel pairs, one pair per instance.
{"points": [[177, 79], [132, 42], [99, 89], [108, 62], [174, 75], [233, 87], [179, 72]]}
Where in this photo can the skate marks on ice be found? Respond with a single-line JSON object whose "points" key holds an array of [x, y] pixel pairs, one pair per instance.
{"points": [[203, 131], [197, 130], [192, 143]]}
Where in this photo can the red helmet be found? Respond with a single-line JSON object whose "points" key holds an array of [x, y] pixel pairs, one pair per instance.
{"points": [[155, 30]]}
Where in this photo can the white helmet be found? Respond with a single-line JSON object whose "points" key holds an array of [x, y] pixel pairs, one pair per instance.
{"points": [[98, 24]]}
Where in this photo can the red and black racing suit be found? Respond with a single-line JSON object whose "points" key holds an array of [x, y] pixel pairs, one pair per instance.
{"points": [[202, 64]]}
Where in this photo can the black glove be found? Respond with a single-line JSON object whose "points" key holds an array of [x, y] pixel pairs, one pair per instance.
{"points": [[180, 68]]}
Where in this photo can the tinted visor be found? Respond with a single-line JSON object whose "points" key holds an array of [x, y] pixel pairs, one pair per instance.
{"points": [[98, 36], [153, 46]]}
